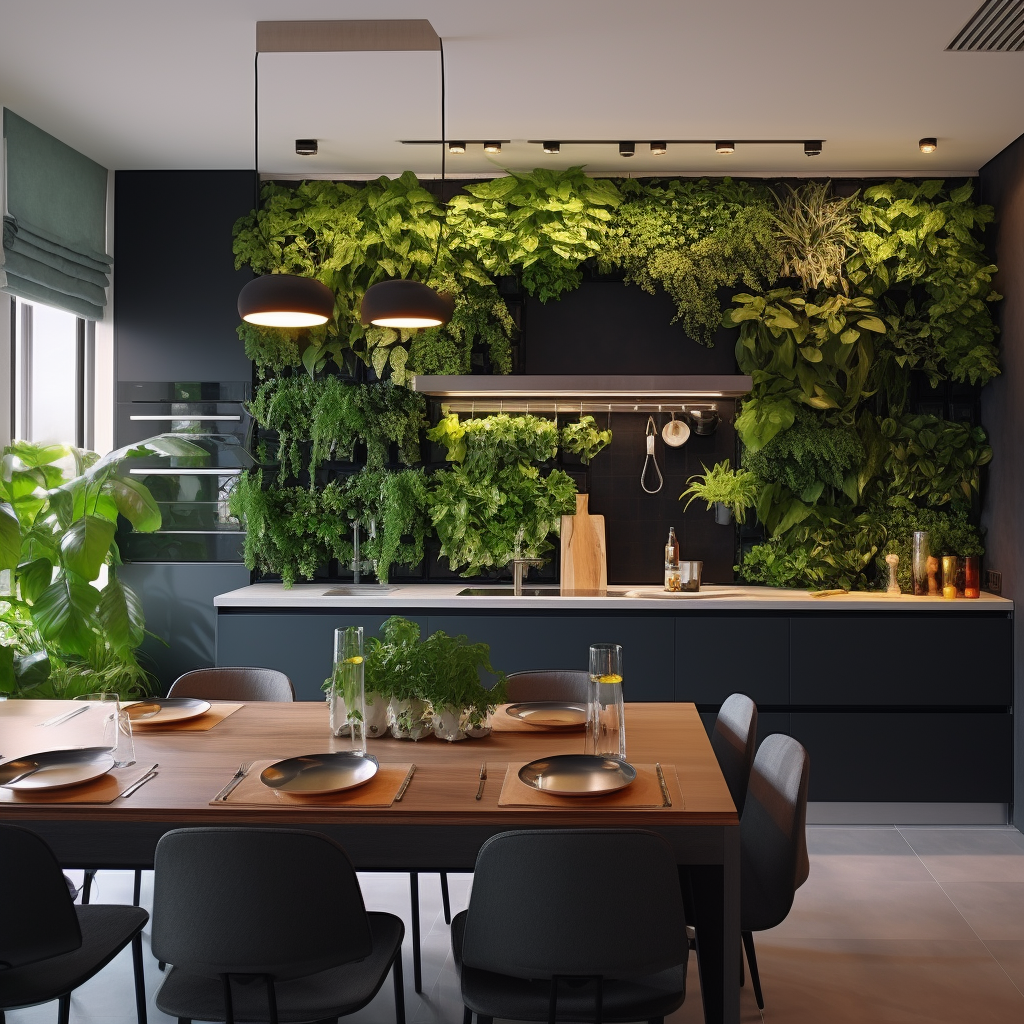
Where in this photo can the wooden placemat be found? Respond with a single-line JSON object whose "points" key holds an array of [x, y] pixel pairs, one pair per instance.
{"points": [[501, 721], [645, 791], [380, 791], [203, 723], [104, 790]]}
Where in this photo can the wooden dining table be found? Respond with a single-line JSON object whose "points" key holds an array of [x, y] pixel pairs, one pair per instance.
{"points": [[438, 825]]}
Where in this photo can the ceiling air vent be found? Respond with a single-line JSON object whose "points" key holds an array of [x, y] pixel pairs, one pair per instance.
{"points": [[997, 26]]}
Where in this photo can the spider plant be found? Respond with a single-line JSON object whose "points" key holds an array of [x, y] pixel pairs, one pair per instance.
{"points": [[817, 235]]}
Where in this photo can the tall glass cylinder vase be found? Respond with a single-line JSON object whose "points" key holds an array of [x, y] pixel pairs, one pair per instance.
{"points": [[348, 694], [606, 722], [919, 563]]}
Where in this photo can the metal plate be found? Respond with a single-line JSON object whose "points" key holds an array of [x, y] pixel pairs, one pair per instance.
{"points": [[54, 769], [552, 714], [577, 775], [164, 710], [320, 773]]}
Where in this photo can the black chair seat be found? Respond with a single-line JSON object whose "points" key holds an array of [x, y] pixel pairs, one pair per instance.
{"points": [[333, 993], [106, 930], [629, 999]]}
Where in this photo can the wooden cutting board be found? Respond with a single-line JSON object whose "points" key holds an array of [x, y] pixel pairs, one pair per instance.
{"points": [[584, 556]]}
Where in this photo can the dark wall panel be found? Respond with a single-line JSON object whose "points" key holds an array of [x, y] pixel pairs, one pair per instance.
{"points": [[175, 284], [1002, 407]]}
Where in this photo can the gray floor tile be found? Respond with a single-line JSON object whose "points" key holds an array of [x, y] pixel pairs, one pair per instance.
{"points": [[994, 910], [827, 840], [969, 855]]}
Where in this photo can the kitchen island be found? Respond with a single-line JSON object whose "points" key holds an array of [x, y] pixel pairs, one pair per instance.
{"points": [[902, 701]]}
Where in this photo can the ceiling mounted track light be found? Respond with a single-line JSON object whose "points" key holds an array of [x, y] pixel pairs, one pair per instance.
{"points": [[306, 147], [492, 147], [928, 145], [659, 148], [404, 304], [552, 148], [456, 147], [725, 147], [812, 148], [284, 300], [627, 148]]}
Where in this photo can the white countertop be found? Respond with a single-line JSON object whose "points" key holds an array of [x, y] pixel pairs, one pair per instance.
{"points": [[711, 597]]}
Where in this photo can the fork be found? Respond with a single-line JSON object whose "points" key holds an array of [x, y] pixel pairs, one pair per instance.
{"points": [[243, 770]]}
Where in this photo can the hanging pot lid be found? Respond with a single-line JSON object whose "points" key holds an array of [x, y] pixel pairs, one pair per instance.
{"points": [[675, 433]]}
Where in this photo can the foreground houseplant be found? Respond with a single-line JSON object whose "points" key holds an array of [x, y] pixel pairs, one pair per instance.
{"points": [[729, 491]]}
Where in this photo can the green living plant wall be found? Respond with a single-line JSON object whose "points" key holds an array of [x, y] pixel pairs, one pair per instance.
{"points": [[846, 299]]}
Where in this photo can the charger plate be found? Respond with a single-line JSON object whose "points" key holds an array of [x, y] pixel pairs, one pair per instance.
{"points": [[320, 773], [165, 710], [577, 775], [54, 769], [551, 714]]}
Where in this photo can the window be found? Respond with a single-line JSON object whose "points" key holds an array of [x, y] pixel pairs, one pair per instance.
{"points": [[50, 381]]}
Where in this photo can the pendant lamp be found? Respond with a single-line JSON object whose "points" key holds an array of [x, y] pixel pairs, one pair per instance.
{"points": [[402, 303], [284, 300]]}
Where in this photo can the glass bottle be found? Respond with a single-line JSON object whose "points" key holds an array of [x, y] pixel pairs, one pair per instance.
{"points": [[949, 577], [672, 581], [919, 563], [347, 696], [972, 576], [606, 722]]}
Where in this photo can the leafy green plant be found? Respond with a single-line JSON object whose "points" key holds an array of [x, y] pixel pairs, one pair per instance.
{"points": [[490, 441], [58, 516], [541, 225], [484, 520], [817, 235], [692, 238], [582, 438], [934, 460], [734, 488]]}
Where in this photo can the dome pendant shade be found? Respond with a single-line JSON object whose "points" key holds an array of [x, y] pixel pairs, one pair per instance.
{"points": [[285, 300], [404, 304]]}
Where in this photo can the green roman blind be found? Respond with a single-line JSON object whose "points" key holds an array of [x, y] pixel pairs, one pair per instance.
{"points": [[55, 218]]}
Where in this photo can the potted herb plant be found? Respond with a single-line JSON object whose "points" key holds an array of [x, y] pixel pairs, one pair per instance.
{"points": [[392, 684], [730, 492]]}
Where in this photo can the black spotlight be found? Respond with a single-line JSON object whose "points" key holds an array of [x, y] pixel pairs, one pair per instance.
{"points": [[552, 147], [627, 148], [456, 147], [725, 147], [492, 147], [812, 148], [305, 147], [928, 145], [659, 148]]}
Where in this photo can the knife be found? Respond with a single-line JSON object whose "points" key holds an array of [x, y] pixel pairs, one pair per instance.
{"points": [[483, 779], [405, 784], [151, 774], [67, 716], [666, 800]]}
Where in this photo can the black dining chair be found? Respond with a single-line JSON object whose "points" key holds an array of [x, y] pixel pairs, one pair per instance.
{"points": [[48, 946], [573, 925], [773, 841], [549, 684], [267, 925], [236, 684], [733, 740], [245, 684]]}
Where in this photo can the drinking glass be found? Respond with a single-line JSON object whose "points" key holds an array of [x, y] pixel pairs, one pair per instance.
{"points": [[972, 576], [606, 724], [115, 727], [949, 589], [348, 692]]}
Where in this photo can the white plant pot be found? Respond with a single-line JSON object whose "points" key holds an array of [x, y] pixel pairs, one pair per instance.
{"points": [[409, 719], [475, 725], [376, 716], [448, 724]]}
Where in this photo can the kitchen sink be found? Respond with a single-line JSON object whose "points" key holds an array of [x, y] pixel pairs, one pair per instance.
{"points": [[360, 590]]}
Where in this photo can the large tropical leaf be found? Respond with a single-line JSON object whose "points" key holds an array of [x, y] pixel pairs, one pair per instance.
{"points": [[85, 544], [120, 614], [65, 614], [135, 503], [6, 670], [31, 670], [34, 577], [10, 537]]}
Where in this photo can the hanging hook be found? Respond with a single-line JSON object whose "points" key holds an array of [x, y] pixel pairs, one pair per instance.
{"points": [[650, 458]]}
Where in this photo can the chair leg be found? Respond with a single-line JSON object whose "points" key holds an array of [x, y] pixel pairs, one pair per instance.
{"points": [[137, 887], [445, 901], [396, 975], [64, 1009], [161, 965], [414, 900], [755, 979], [743, 976], [90, 875], [140, 978], [467, 1016]]}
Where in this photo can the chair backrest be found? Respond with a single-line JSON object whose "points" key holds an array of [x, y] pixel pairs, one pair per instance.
{"points": [[575, 902], [248, 684], [773, 833], [281, 902], [733, 740], [549, 684], [37, 915]]}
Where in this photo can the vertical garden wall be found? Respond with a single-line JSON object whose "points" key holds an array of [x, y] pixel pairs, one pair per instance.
{"points": [[864, 321]]}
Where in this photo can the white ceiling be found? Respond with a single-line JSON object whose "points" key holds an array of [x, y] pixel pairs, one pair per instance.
{"points": [[147, 84]]}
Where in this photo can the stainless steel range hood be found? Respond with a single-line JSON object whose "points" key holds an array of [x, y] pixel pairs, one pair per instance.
{"points": [[569, 393]]}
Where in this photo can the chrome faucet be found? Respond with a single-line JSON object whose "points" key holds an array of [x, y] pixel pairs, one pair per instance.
{"points": [[519, 570], [359, 566]]}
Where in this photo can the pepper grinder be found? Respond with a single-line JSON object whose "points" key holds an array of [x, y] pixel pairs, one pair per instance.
{"points": [[893, 590]]}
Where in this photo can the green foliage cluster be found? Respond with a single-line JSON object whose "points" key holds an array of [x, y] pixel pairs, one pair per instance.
{"points": [[444, 670], [60, 633], [817, 234], [333, 415], [692, 238], [488, 441], [582, 438], [735, 488]]}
